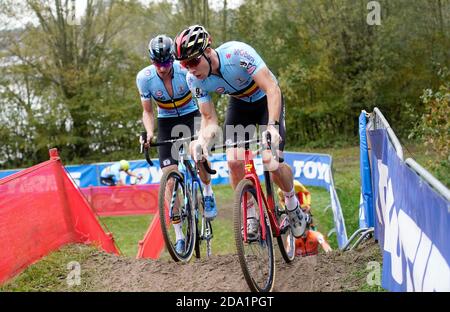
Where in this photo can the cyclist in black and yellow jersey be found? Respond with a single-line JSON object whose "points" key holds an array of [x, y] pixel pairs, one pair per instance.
{"points": [[164, 82]]}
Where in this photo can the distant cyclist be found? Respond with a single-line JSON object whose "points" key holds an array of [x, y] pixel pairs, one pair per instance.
{"points": [[164, 82], [235, 68], [111, 175]]}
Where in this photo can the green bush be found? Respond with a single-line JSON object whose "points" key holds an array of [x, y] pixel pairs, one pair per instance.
{"points": [[433, 127]]}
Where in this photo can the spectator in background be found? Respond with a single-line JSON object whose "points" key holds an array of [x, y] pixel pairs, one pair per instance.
{"points": [[308, 243], [111, 175]]}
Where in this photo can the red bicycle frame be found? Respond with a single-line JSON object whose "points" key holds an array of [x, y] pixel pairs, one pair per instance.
{"points": [[250, 174]]}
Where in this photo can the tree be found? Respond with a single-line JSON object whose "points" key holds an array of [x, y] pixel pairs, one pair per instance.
{"points": [[69, 74]]}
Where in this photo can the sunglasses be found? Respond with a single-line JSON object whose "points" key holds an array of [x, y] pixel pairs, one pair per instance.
{"points": [[165, 64], [192, 63]]}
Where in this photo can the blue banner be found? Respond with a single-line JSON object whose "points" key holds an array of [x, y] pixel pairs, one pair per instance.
{"points": [[309, 169], [5, 173], [338, 217], [366, 209], [412, 223]]}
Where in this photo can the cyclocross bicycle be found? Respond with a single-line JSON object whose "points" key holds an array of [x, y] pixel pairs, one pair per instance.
{"points": [[256, 254], [181, 198]]}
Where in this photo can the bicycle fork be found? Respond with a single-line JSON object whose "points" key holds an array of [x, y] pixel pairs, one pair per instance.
{"points": [[206, 233]]}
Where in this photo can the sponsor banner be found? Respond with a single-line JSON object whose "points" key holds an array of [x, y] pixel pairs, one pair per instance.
{"points": [[309, 169], [84, 175], [412, 223], [338, 217]]}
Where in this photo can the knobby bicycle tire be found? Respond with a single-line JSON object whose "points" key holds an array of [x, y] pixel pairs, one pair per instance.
{"points": [[196, 202], [190, 236], [246, 186]]}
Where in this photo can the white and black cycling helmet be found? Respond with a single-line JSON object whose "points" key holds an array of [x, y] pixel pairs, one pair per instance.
{"points": [[160, 49]]}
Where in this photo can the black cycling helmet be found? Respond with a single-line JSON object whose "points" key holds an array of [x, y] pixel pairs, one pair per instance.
{"points": [[160, 49], [191, 43]]}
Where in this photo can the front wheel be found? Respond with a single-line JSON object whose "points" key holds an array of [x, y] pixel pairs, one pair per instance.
{"points": [[175, 210], [256, 254]]}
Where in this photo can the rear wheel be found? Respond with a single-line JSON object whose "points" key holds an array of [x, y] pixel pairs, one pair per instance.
{"points": [[175, 205], [286, 240], [255, 255]]}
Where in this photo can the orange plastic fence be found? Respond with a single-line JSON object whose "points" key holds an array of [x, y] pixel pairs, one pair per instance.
{"points": [[41, 209], [123, 200], [130, 200], [152, 244]]}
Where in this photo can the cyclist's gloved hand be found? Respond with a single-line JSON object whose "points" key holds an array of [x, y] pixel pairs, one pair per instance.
{"points": [[150, 139], [274, 136], [198, 151]]}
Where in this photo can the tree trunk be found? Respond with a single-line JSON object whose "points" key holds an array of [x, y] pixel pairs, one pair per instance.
{"points": [[224, 26]]}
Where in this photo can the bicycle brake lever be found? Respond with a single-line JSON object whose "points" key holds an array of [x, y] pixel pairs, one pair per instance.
{"points": [[143, 139], [203, 161], [208, 168], [145, 149], [268, 140], [270, 147]]}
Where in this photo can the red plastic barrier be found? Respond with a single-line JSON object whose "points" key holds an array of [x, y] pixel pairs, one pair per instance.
{"points": [[123, 200], [153, 243], [41, 209]]}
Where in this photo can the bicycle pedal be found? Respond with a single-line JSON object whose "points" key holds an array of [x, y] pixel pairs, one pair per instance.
{"points": [[284, 225], [251, 239], [280, 211]]}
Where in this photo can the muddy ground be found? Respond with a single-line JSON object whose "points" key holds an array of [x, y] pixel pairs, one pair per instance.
{"points": [[336, 271]]}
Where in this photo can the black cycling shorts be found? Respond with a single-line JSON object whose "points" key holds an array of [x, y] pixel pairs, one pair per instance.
{"points": [[165, 127], [245, 114]]}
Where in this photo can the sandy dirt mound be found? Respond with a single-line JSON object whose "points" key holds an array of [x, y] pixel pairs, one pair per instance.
{"points": [[336, 271]]}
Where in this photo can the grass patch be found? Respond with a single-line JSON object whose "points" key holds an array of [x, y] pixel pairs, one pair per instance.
{"points": [[223, 240], [50, 273], [367, 274], [128, 231], [322, 213], [224, 194]]}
